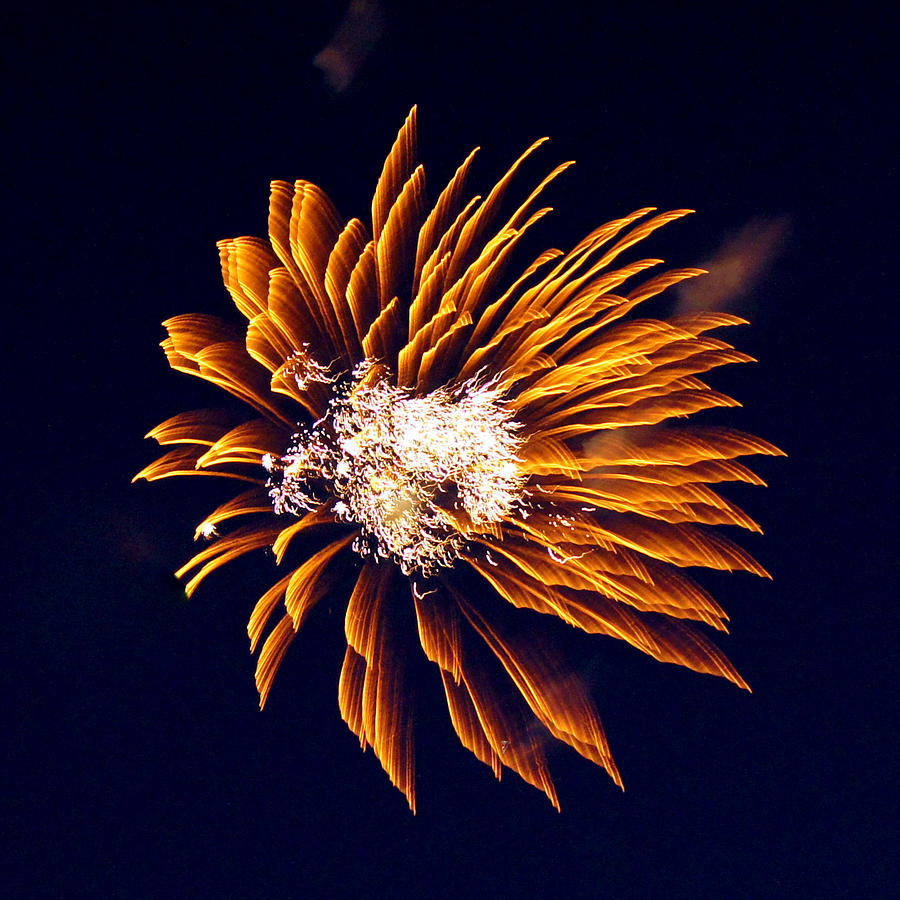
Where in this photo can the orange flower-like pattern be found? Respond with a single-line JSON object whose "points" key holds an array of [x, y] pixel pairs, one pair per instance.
{"points": [[463, 443]]}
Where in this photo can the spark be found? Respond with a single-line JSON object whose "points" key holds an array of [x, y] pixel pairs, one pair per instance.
{"points": [[561, 557], [306, 369]]}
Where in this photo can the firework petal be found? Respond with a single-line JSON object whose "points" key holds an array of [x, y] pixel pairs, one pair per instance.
{"points": [[386, 720]]}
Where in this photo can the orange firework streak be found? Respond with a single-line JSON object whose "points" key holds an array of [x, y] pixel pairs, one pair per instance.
{"points": [[446, 425]]}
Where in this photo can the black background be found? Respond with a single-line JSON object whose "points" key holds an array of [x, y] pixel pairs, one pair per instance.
{"points": [[137, 762]]}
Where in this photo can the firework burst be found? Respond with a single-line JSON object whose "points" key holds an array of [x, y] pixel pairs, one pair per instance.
{"points": [[462, 438]]}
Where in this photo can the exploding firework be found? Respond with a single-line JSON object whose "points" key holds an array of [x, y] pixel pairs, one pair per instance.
{"points": [[465, 440]]}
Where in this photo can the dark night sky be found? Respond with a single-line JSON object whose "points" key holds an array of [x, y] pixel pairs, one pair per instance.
{"points": [[137, 762]]}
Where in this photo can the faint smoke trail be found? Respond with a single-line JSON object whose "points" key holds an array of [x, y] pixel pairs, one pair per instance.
{"points": [[738, 265], [350, 45]]}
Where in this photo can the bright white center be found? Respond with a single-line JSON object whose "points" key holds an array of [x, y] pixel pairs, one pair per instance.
{"points": [[414, 473]]}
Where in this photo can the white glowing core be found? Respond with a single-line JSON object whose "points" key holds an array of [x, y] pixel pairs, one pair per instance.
{"points": [[413, 472]]}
